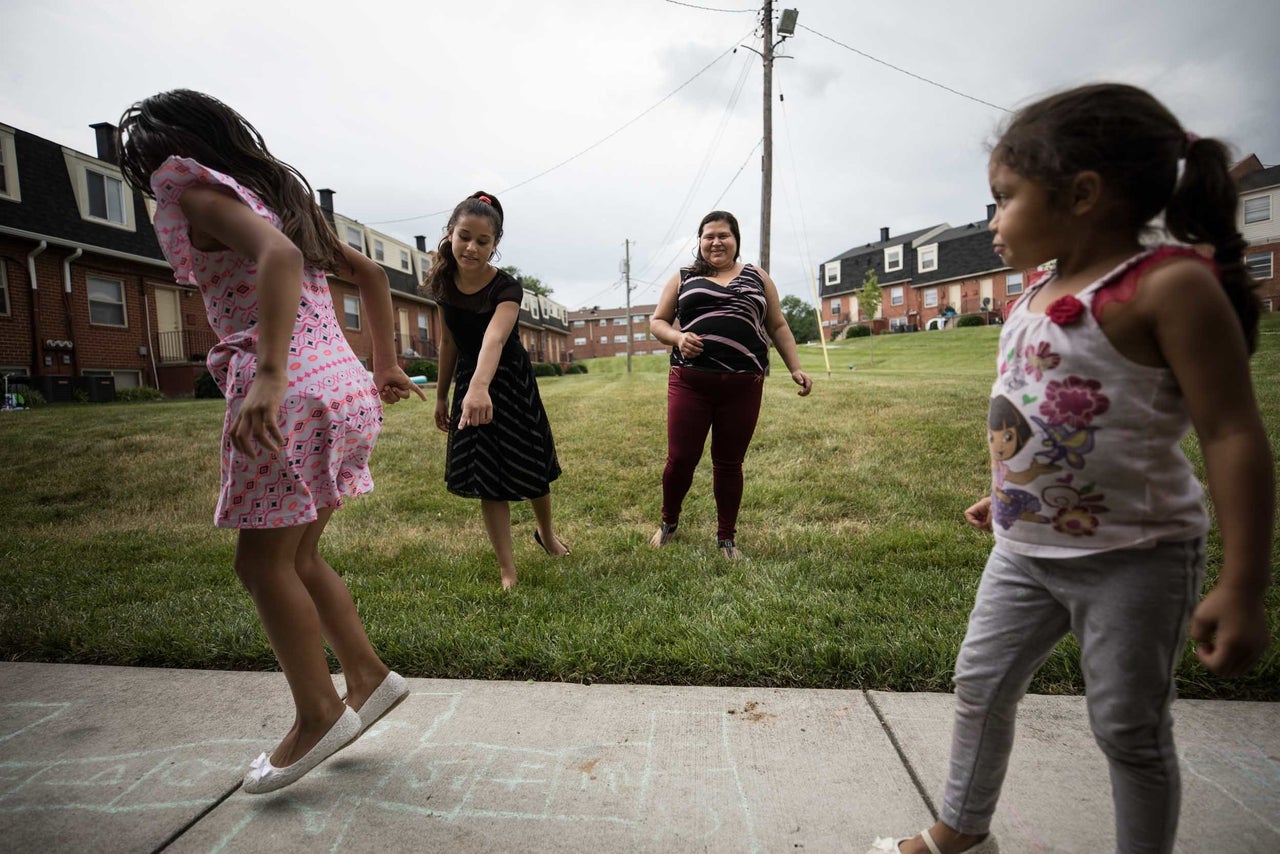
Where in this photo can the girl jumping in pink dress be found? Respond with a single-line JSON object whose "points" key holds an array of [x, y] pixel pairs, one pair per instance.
{"points": [[302, 412]]}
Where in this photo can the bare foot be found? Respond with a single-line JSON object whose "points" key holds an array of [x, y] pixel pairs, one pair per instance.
{"points": [[552, 545], [663, 536], [508, 578], [298, 741]]}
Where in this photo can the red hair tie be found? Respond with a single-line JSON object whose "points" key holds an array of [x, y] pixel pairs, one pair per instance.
{"points": [[485, 199]]}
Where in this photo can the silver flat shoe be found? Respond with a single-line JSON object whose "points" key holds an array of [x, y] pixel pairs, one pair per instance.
{"points": [[390, 693], [264, 777]]}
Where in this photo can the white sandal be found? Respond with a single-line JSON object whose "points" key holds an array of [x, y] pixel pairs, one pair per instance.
{"points": [[889, 844]]}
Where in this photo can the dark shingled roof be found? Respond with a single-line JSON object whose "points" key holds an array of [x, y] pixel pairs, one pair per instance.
{"points": [[49, 208], [855, 262], [962, 252], [1259, 178]]}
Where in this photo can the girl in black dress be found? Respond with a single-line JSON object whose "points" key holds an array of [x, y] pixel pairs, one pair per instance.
{"points": [[500, 445]]}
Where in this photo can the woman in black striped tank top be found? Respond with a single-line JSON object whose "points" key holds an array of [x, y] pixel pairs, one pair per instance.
{"points": [[727, 314]]}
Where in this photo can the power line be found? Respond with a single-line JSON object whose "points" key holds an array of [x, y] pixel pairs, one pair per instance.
{"points": [[593, 145], [902, 70], [708, 8]]}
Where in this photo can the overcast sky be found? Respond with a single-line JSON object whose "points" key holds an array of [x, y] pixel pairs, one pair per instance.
{"points": [[404, 108]]}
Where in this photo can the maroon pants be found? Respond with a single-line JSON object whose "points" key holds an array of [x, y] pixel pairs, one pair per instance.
{"points": [[727, 405]]}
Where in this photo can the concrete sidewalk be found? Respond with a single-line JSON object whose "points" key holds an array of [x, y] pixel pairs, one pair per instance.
{"points": [[109, 759]]}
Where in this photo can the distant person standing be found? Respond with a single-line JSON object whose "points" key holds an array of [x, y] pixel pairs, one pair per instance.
{"points": [[500, 444], [302, 412], [728, 312]]}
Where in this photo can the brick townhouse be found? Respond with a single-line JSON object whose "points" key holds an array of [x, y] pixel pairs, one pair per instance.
{"points": [[600, 331], [88, 302]]}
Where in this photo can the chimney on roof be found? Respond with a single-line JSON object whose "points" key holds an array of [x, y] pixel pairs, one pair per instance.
{"points": [[991, 211], [421, 240], [326, 200], [107, 134], [884, 233]]}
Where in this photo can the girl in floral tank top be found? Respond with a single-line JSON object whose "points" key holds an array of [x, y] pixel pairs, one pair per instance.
{"points": [[302, 412], [1098, 517]]}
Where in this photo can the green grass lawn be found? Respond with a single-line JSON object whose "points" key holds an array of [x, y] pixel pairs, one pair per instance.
{"points": [[861, 571]]}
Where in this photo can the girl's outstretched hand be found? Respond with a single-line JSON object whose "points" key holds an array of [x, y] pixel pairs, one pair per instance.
{"points": [[477, 409], [1230, 630], [979, 515], [257, 418], [394, 385]]}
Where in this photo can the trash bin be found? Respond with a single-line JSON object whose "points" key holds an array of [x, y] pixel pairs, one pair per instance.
{"points": [[56, 388], [101, 389]]}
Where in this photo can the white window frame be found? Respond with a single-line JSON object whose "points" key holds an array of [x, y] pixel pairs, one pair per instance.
{"points": [[122, 302], [424, 325], [424, 264], [835, 308], [579, 324], [892, 259], [927, 258], [1261, 209], [638, 336], [355, 238], [1013, 283], [1254, 261], [405, 263], [931, 298], [7, 309], [379, 250], [896, 295], [78, 168], [579, 342], [831, 273], [619, 321], [619, 339], [348, 301], [604, 322], [604, 339], [9, 166]]}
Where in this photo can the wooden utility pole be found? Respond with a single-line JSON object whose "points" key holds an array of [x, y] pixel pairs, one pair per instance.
{"points": [[626, 271], [766, 159]]}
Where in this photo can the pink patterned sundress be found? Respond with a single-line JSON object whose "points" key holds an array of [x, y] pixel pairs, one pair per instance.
{"points": [[331, 414]]}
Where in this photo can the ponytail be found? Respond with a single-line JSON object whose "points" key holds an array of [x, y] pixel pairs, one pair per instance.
{"points": [[1202, 209], [440, 279]]}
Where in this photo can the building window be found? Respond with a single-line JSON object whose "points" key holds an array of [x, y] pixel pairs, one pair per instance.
{"points": [[619, 321], [378, 253], [638, 318], [355, 239], [927, 258], [106, 197], [579, 342], [404, 260], [424, 332], [931, 298], [604, 339], [8, 168], [424, 264], [638, 336], [835, 309], [895, 296], [4, 289], [603, 322], [106, 301], [1257, 210], [579, 324], [351, 312], [893, 259], [619, 339], [1260, 265], [1013, 283], [831, 273]]}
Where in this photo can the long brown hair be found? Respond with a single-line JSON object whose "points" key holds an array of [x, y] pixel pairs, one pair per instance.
{"points": [[439, 283], [1132, 140], [191, 124]]}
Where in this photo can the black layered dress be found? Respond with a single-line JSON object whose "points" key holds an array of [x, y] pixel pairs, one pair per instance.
{"points": [[512, 458]]}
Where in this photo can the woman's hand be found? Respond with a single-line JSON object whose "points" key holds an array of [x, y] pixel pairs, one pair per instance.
{"points": [[442, 414], [689, 345], [477, 408], [979, 515], [394, 385], [801, 379], [257, 418]]}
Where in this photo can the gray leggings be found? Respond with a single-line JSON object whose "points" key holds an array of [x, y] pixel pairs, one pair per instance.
{"points": [[1129, 611]]}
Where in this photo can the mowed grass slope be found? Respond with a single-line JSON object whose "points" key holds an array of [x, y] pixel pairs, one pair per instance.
{"points": [[861, 571]]}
